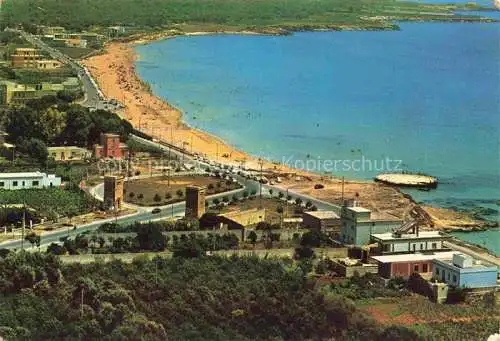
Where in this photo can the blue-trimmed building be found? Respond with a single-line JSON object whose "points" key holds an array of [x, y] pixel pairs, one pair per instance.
{"points": [[466, 272]]}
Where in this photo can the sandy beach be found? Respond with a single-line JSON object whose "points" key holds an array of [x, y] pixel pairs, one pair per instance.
{"points": [[114, 71]]}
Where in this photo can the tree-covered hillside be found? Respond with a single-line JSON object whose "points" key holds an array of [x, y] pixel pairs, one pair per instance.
{"points": [[209, 298], [83, 14]]}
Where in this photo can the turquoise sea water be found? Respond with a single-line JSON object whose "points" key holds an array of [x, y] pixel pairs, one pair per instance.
{"points": [[427, 95]]}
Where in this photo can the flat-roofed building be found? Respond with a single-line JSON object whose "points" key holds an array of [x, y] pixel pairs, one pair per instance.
{"points": [[50, 30], [48, 64], [390, 242], [68, 153], [18, 94], [463, 271], [404, 265], [76, 42], [25, 57], [28, 180], [242, 219], [110, 147], [359, 223], [321, 220]]}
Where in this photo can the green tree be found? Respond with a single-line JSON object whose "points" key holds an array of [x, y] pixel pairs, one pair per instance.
{"points": [[52, 123], [56, 249], [179, 193], [150, 238], [157, 198], [252, 237], [35, 148], [33, 238]]}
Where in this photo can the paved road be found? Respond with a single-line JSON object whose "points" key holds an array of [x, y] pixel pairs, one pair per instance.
{"points": [[168, 211], [251, 185], [93, 95], [483, 256]]}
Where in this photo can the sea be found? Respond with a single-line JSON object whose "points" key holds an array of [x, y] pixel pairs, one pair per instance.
{"points": [[354, 104]]}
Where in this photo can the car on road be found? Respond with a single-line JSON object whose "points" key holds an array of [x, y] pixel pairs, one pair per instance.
{"points": [[156, 210]]}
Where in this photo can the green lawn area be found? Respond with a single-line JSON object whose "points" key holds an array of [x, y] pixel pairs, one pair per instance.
{"points": [[75, 52]]}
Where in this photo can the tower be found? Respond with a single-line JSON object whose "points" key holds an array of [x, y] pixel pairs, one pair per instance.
{"points": [[195, 201], [113, 192]]}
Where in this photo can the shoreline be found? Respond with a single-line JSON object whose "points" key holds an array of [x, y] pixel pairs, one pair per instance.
{"points": [[115, 72]]}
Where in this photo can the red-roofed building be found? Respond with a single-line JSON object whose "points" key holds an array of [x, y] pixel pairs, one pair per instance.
{"points": [[110, 147]]}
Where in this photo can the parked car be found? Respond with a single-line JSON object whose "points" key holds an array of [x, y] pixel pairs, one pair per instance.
{"points": [[156, 210], [318, 186]]}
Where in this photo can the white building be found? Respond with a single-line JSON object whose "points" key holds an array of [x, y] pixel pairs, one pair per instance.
{"points": [[358, 224], [28, 180], [410, 242]]}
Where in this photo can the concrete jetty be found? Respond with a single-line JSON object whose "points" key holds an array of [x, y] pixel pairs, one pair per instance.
{"points": [[407, 180]]}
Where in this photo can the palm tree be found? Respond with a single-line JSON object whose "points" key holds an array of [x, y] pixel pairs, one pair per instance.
{"points": [[271, 191], [179, 193]]}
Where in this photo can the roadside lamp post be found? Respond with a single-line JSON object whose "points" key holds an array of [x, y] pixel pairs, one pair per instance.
{"points": [[261, 163]]}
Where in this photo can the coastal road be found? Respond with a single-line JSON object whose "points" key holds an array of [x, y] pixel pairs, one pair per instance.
{"points": [[168, 211], [143, 214], [54, 237], [93, 95], [250, 185], [482, 256]]}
